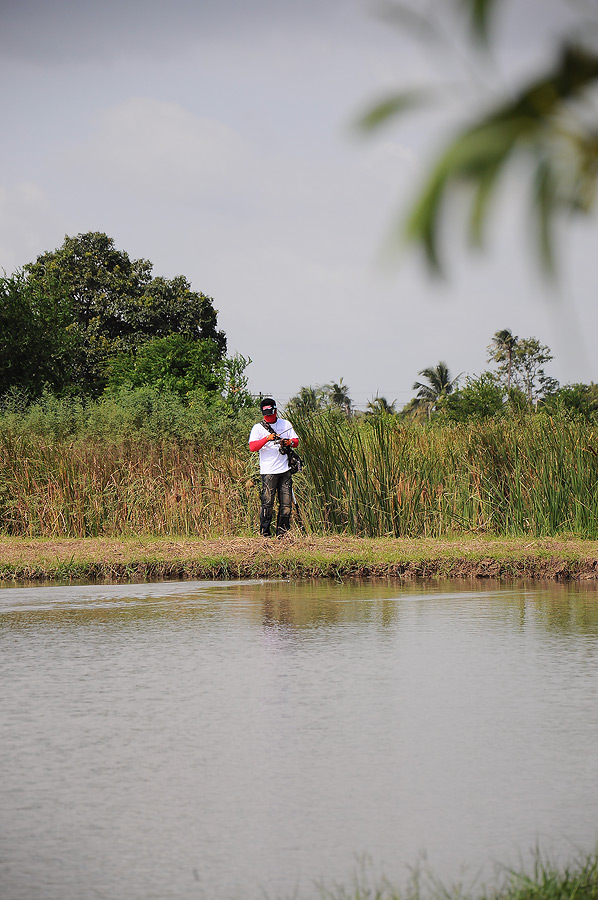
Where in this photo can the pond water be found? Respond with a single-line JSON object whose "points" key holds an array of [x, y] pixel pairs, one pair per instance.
{"points": [[250, 739]]}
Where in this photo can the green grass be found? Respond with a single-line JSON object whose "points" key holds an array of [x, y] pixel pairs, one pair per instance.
{"points": [[544, 880]]}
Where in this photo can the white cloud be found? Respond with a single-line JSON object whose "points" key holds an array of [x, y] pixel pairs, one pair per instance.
{"points": [[237, 189], [157, 149]]}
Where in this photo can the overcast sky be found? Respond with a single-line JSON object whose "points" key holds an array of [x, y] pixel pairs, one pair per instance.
{"points": [[214, 138]]}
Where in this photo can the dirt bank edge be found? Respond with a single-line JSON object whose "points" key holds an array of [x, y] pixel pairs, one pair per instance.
{"points": [[149, 558]]}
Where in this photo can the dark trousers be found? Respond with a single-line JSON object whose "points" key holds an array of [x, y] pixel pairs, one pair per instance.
{"points": [[273, 486]]}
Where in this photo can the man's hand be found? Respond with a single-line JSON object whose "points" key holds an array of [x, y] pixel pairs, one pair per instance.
{"points": [[286, 443], [272, 437]]}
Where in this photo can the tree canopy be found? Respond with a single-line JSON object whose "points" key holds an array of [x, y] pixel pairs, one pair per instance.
{"points": [[67, 318]]}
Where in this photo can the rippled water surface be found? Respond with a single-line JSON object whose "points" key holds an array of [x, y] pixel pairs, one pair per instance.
{"points": [[203, 740]]}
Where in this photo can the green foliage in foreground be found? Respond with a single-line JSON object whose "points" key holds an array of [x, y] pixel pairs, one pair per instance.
{"points": [[546, 881], [539, 127]]}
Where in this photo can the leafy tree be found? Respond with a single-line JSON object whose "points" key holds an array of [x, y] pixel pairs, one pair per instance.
{"points": [[527, 374], [171, 307], [178, 365], [174, 363], [234, 383], [101, 282], [440, 385], [481, 397], [107, 304], [544, 123], [579, 399], [38, 347], [501, 350]]}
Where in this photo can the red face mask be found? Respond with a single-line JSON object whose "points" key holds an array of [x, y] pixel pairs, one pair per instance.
{"points": [[270, 419]]}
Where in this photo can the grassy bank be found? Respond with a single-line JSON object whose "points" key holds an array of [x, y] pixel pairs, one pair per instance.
{"points": [[153, 557]]}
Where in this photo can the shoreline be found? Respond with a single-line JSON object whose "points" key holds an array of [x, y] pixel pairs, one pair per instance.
{"points": [[146, 557]]}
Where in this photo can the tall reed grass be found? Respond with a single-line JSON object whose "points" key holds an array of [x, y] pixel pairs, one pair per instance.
{"points": [[533, 476], [149, 465], [85, 488], [138, 461]]}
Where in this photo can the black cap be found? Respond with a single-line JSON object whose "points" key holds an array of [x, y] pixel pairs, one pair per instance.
{"points": [[268, 406]]}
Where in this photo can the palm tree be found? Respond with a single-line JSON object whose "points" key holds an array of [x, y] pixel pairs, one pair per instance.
{"points": [[380, 406], [525, 123], [501, 349], [308, 400], [337, 394], [440, 386]]}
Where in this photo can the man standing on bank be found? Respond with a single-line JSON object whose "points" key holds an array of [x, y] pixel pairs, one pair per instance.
{"points": [[266, 438]]}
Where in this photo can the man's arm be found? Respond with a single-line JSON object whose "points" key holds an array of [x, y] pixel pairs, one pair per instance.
{"points": [[257, 445]]}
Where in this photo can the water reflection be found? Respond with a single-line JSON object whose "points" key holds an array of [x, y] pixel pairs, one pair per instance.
{"points": [[568, 608]]}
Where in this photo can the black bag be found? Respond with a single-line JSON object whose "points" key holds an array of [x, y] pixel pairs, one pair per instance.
{"points": [[295, 461]]}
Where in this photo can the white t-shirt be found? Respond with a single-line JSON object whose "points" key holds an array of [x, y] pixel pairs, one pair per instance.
{"points": [[272, 461]]}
